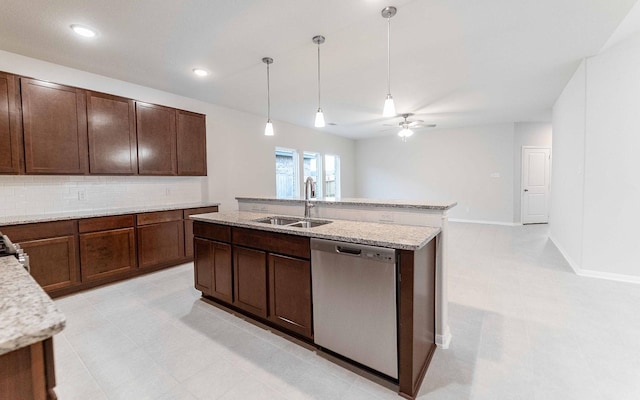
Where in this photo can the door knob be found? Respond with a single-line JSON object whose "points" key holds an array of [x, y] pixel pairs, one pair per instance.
{"points": [[526, 190]]}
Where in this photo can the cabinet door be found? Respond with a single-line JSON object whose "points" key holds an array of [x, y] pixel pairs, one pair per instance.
{"points": [[160, 243], [213, 269], [156, 128], [192, 144], [107, 253], [250, 274], [188, 227], [10, 133], [290, 294], [55, 128], [112, 134], [53, 261]]}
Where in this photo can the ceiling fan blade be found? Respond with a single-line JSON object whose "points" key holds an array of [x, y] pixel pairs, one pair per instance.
{"points": [[415, 122], [421, 126]]}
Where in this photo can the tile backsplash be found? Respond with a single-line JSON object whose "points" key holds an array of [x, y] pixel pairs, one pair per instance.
{"points": [[34, 195]]}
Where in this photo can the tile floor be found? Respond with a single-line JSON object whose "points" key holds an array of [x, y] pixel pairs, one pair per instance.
{"points": [[524, 327]]}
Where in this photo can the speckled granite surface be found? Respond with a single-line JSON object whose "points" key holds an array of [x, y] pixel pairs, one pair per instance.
{"points": [[423, 205], [27, 313], [27, 219], [402, 237]]}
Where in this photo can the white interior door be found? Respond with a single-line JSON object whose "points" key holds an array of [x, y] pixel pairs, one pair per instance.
{"points": [[535, 184]]}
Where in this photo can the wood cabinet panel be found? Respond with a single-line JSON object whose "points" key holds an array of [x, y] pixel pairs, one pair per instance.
{"points": [[105, 223], [191, 143], [290, 294], [107, 253], [111, 134], [53, 261], [54, 127], [216, 232], [213, 269], [160, 243], [40, 230], [250, 280], [158, 217], [188, 227], [281, 243], [10, 128], [156, 132], [28, 373]]}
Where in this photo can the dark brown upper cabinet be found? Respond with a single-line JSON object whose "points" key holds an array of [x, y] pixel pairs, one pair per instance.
{"points": [[55, 128], [192, 144], [156, 126], [10, 130], [112, 134]]}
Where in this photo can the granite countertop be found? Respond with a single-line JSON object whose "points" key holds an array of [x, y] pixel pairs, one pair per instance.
{"points": [[403, 237], [27, 313], [27, 219], [330, 201]]}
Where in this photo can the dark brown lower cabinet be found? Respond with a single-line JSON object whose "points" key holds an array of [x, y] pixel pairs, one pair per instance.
{"points": [[250, 276], [52, 251], [290, 294], [160, 238], [213, 269], [188, 227], [107, 253], [28, 373]]}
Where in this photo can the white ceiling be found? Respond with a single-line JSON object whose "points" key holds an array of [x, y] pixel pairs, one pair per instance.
{"points": [[454, 62]]}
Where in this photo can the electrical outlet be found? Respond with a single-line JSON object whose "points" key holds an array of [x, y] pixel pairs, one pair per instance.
{"points": [[82, 195], [495, 175], [167, 191], [386, 217]]}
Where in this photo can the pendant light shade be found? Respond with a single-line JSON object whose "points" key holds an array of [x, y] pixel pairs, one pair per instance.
{"points": [[319, 121], [268, 129], [389, 109]]}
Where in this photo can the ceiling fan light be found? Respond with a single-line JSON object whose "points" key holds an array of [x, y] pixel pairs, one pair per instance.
{"points": [[319, 123], [404, 133], [83, 31], [389, 107], [268, 129]]}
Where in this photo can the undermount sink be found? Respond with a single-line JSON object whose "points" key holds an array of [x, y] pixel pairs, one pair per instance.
{"points": [[292, 222]]}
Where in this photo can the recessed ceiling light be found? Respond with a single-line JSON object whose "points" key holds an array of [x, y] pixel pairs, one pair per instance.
{"points": [[83, 30], [200, 72]]}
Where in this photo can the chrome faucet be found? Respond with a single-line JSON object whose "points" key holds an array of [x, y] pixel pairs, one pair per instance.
{"points": [[309, 191]]}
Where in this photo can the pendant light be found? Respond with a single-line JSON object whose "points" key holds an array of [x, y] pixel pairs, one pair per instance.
{"points": [[389, 109], [319, 122], [268, 129]]}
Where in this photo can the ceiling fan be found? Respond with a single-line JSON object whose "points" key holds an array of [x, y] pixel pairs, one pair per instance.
{"points": [[408, 126]]}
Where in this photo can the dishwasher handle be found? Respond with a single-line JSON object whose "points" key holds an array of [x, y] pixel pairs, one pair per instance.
{"points": [[351, 251]]}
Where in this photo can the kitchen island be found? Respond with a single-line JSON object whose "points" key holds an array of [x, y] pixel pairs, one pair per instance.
{"points": [[404, 212], [264, 270], [28, 321]]}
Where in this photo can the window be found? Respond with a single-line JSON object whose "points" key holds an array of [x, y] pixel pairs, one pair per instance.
{"points": [[324, 169], [287, 184], [331, 176], [312, 163]]}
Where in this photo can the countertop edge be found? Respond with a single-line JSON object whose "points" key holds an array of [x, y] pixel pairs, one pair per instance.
{"points": [[311, 233], [376, 204], [64, 216]]}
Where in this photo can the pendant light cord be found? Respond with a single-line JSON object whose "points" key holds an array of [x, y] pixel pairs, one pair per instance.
{"points": [[268, 95], [388, 55], [319, 76]]}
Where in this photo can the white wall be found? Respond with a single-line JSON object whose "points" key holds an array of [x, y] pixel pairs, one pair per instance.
{"points": [[442, 165], [612, 161], [596, 132], [240, 157], [526, 134], [567, 183]]}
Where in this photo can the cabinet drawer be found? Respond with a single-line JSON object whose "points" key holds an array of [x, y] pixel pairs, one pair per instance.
{"points": [[105, 223], [291, 245], [212, 231], [40, 230], [159, 216], [201, 210]]}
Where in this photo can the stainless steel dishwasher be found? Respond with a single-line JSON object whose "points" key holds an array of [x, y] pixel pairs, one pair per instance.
{"points": [[354, 302]]}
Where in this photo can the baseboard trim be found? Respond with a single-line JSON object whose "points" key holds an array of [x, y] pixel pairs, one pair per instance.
{"points": [[443, 341], [476, 221], [590, 273]]}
